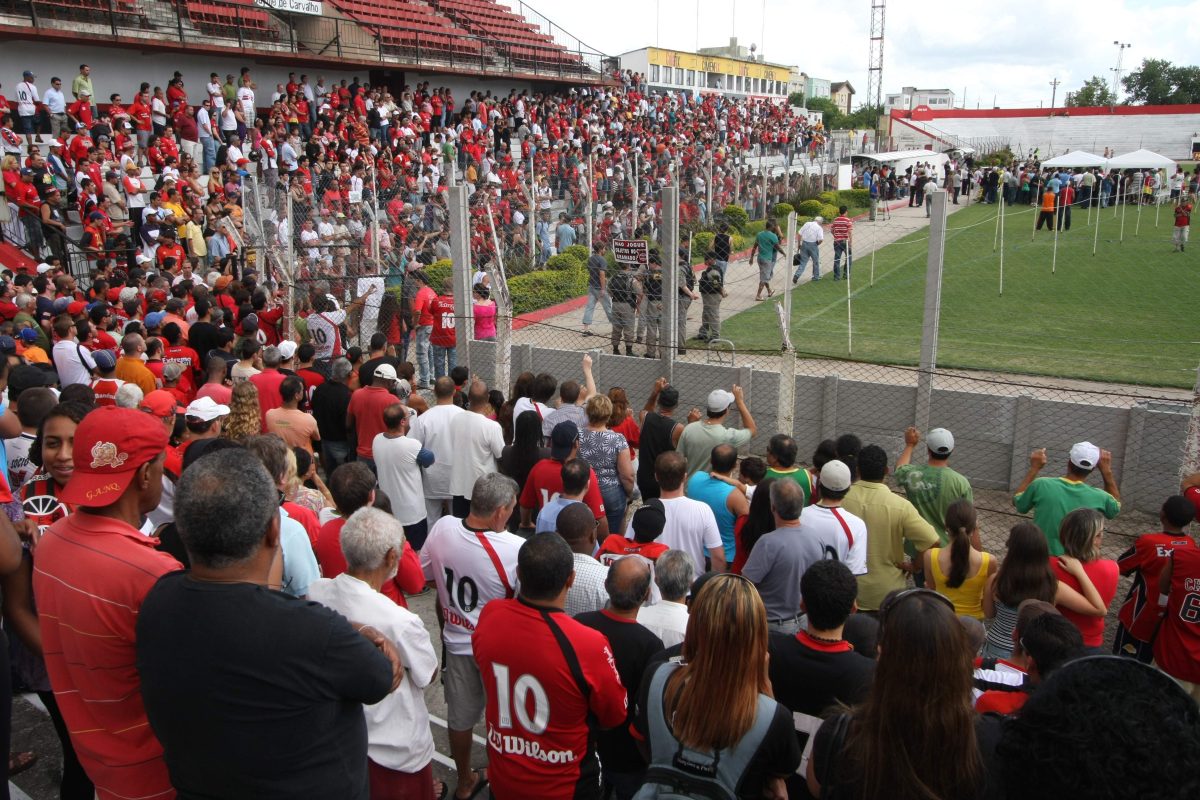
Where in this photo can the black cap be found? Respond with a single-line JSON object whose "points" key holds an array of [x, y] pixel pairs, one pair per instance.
{"points": [[649, 521], [668, 397], [23, 376], [562, 439]]}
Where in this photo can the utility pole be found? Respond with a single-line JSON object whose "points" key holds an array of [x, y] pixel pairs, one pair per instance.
{"points": [[1053, 94], [875, 60], [1116, 94]]}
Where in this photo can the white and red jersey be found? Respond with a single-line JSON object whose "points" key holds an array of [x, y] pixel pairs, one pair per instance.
{"points": [[325, 333], [106, 391], [537, 713], [470, 568], [1177, 647], [1146, 560]]}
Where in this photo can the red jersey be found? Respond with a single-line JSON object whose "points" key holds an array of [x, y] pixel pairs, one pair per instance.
{"points": [[545, 483], [187, 358], [841, 228], [1146, 561], [409, 577], [106, 391], [537, 711], [365, 413], [39, 501], [616, 545], [1183, 215], [442, 312], [1177, 646], [1103, 574]]}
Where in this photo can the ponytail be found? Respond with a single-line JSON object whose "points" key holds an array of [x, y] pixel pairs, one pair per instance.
{"points": [[961, 520]]}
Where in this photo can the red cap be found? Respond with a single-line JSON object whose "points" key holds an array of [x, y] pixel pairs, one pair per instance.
{"points": [[161, 403], [110, 444], [158, 296], [76, 308], [114, 295]]}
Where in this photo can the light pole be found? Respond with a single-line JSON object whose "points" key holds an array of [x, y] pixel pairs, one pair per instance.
{"points": [[1053, 94], [1121, 48]]}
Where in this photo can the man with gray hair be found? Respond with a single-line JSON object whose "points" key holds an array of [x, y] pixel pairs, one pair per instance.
{"points": [[129, 396], [330, 402], [399, 741], [470, 562], [674, 572], [633, 647], [268, 382], [201, 682]]}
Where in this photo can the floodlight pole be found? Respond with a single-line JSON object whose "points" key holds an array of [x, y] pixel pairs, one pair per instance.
{"points": [[932, 310]]}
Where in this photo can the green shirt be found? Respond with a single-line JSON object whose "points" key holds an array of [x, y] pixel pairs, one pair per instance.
{"points": [[767, 243], [798, 474], [891, 522], [1051, 499], [698, 439], [82, 84], [932, 490]]}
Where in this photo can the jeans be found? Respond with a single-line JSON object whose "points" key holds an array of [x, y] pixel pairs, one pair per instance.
{"points": [[590, 308], [722, 265], [210, 153], [444, 360], [423, 333], [809, 251], [615, 503], [841, 248], [334, 454], [929, 203]]}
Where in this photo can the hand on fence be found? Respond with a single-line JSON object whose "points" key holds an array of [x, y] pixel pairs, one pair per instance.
{"points": [[1037, 459], [1105, 462], [911, 436], [693, 415]]}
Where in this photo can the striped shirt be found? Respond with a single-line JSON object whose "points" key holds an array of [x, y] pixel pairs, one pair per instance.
{"points": [[90, 576], [841, 228]]}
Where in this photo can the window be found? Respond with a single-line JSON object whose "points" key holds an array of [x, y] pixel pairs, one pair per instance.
{"points": [[679, 76], [691, 77], [740, 85], [654, 73]]}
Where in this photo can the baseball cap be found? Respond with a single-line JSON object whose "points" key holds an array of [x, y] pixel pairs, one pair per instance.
{"points": [[719, 400], [23, 376], [154, 319], [562, 439], [385, 371], [402, 389], [104, 359], [223, 282], [76, 307], [110, 444], [940, 441], [61, 304], [835, 476], [161, 404], [287, 349], [8, 345], [142, 258], [28, 335], [668, 397], [43, 268], [649, 520], [206, 409], [1085, 455]]}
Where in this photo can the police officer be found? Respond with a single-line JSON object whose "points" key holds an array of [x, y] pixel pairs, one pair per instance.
{"points": [[712, 290], [652, 303], [687, 293], [625, 292]]}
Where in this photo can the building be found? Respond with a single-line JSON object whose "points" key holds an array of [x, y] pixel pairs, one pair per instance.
{"points": [[911, 97], [817, 87], [697, 73], [842, 95], [797, 83]]}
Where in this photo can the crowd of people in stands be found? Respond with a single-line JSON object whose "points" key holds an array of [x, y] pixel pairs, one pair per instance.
{"points": [[628, 603]]}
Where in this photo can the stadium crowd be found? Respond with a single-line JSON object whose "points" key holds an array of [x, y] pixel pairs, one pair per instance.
{"points": [[211, 527]]}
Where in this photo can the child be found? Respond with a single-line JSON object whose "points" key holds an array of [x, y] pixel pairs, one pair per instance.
{"points": [[1150, 554], [648, 523], [106, 384], [1183, 220], [27, 347]]}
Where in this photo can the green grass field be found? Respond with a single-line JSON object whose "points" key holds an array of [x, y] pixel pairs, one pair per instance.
{"points": [[1124, 315]]}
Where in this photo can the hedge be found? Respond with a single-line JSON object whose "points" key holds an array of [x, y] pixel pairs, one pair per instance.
{"points": [[702, 242], [438, 271], [809, 208], [736, 216], [534, 291], [831, 197], [564, 261], [829, 212], [783, 209], [579, 252]]}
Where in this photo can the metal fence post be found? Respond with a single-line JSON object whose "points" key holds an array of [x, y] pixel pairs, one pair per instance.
{"points": [[290, 254], [1191, 450], [460, 252], [670, 265], [933, 303], [708, 199]]}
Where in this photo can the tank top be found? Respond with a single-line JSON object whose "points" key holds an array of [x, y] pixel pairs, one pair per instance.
{"points": [[1000, 631], [968, 597], [655, 439]]}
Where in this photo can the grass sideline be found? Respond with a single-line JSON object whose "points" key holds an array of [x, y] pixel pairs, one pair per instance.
{"points": [[1122, 316]]}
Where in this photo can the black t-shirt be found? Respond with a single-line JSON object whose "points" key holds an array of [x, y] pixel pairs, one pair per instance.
{"points": [[721, 246], [655, 440], [202, 337], [633, 645], [329, 403], [810, 676], [366, 371], [777, 755], [256, 694]]}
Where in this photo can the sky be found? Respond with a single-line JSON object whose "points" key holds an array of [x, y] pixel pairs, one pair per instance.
{"points": [[1006, 52]]}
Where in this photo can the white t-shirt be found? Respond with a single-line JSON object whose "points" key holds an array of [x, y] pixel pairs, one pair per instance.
{"points": [[370, 313], [477, 443], [400, 476], [326, 336], [398, 731], [466, 577], [27, 99], [432, 430], [310, 240], [823, 523], [666, 619], [691, 526], [525, 404], [19, 468], [73, 363], [245, 97]]}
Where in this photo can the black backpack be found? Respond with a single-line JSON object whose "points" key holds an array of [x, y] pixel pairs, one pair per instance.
{"points": [[621, 288]]}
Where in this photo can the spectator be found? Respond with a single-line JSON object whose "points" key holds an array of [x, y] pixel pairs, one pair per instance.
{"points": [[608, 454], [297, 428], [399, 740], [299, 563], [540, 392], [758, 520], [244, 417], [961, 571], [364, 415], [1051, 499], [933, 487], [716, 490], [574, 665], [893, 529], [477, 443], [268, 382], [578, 529], [576, 478], [690, 524], [545, 481], [517, 459], [700, 437], [471, 562], [1177, 646], [330, 402], [1042, 642], [647, 523], [117, 477], [442, 336], [572, 398], [204, 681], [1081, 535], [660, 433], [72, 361], [667, 619], [781, 463], [433, 430], [400, 461]]}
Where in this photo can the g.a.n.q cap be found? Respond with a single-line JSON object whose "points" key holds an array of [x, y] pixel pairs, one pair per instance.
{"points": [[110, 444]]}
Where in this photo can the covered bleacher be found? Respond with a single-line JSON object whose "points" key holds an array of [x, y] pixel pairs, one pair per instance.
{"points": [[409, 26], [522, 41]]}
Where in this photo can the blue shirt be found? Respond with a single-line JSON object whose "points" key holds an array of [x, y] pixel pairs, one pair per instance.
{"points": [[565, 235], [547, 518], [715, 494], [299, 562]]}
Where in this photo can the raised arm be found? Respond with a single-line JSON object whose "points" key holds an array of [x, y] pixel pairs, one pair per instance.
{"points": [[1110, 483], [589, 383], [911, 437], [744, 410], [1037, 460]]}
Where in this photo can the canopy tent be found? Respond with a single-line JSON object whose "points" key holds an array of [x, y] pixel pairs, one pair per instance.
{"points": [[1077, 158], [1141, 159]]}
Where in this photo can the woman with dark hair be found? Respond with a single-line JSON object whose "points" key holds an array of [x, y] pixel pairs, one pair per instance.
{"points": [[623, 421], [748, 529], [1025, 574], [917, 736], [518, 458], [522, 387], [960, 571], [1081, 533]]}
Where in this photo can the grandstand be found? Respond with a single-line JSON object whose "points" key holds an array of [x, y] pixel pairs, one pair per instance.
{"points": [[1168, 130]]}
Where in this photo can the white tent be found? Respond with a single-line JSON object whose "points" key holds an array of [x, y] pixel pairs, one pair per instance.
{"points": [[1077, 158], [1141, 159]]}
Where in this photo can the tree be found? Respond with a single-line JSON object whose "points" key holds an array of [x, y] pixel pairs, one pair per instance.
{"points": [[863, 117], [831, 114], [1094, 92], [1159, 82], [796, 99]]}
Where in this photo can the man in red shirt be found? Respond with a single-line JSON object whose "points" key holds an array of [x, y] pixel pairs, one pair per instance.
{"points": [[441, 338], [842, 231], [177, 352], [545, 676], [1177, 646], [93, 571], [268, 381], [545, 480], [365, 412]]}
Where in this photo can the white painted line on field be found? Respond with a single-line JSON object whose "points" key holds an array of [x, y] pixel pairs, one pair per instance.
{"points": [[439, 721]]}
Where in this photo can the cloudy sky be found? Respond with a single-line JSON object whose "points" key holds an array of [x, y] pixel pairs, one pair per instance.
{"points": [[1007, 50]]}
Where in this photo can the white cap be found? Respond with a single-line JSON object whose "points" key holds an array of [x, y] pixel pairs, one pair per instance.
{"points": [[287, 349], [835, 476], [43, 268], [402, 388], [818, 219], [142, 258], [206, 409], [385, 371], [719, 400], [1085, 455], [940, 441]]}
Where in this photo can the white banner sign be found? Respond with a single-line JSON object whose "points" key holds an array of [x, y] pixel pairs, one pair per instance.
{"points": [[313, 7]]}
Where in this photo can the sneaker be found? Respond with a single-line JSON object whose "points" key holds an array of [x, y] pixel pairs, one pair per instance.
{"points": [[795, 280], [650, 355], [586, 332]]}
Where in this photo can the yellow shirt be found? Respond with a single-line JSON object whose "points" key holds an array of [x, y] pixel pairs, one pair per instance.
{"points": [[177, 210], [968, 597], [891, 521]]}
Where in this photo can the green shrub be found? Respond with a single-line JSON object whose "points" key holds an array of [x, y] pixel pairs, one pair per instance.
{"points": [[754, 228], [736, 216], [438, 271], [534, 291], [579, 252], [829, 212], [830, 197], [855, 197], [702, 242], [783, 209], [809, 208], [565, 261]]}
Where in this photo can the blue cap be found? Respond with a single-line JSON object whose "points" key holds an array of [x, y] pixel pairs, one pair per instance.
{"points": [[29, 335], [8, 345], [105, 360], [155, 319], [425, 458], [61, 304]]}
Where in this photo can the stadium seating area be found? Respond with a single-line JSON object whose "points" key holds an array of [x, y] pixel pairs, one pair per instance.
{"points": [[489, 20], [131, 8], [409, 26], [227, 17]]}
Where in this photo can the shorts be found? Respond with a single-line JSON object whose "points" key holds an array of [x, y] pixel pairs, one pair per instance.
{"points": [[465, 698], [765, 270], [26, 124]]}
